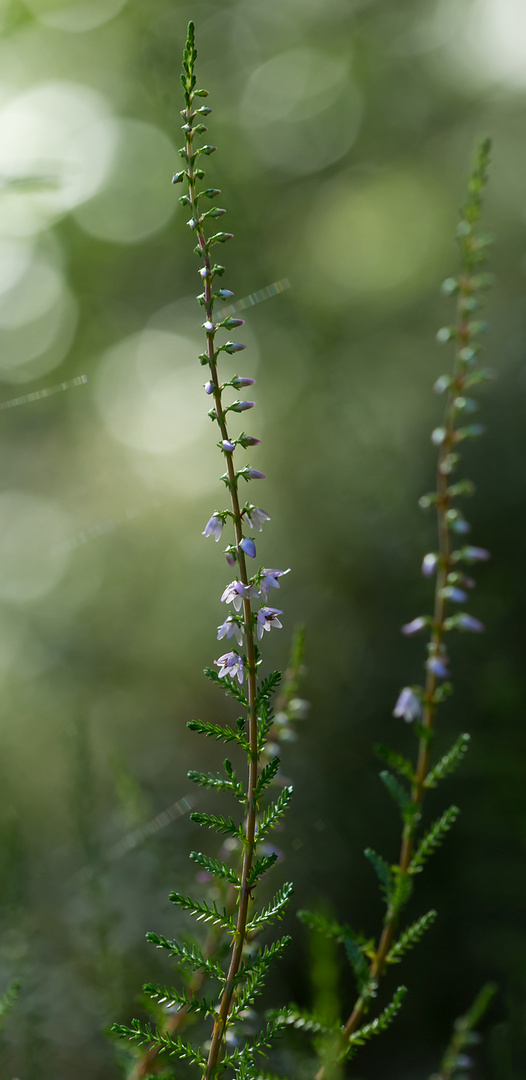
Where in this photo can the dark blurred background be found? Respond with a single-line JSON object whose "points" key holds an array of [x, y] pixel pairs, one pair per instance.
{"points": [[345, 133]]}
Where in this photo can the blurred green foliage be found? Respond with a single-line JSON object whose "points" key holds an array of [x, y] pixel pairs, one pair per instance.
{"points": [[345, 130]]}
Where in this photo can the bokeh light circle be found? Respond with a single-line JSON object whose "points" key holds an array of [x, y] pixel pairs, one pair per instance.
{"points": [[32, 528], [75, 17], [137, 198], [150, 394], [56, 146], [301, 110], [376, 238]]}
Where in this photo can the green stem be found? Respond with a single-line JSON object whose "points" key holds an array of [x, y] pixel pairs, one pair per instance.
{"points": [[443, 504], [239, 940]]}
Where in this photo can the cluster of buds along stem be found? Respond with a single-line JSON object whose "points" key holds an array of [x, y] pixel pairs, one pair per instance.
{"points": [[245, 591], [447, 563]]}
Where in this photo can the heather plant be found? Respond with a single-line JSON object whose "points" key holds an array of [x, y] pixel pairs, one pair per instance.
{"points": [[222, 976]]}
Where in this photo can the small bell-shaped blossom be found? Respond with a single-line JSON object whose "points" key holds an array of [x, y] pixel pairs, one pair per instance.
{"points": [[236, 592], [475, 554], [242, 406], [214, 527], [429, 564], [408, 705], [230, 628], [270, 579], [453, 593], [256, 517], [248, 546], [267, 617], [253, 474], [228, 446], [415, 626], [469, 622], [437, 664], [231, 664], [209, 387]]}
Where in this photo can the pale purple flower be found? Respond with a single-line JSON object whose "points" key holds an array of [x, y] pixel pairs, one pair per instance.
{"points": [[228, 446], [476, 554], [408, 705], [415, 626], [437, 665], [270, 580], [453, 593], [255, 517], [204, 272], [230, 558], [231, 664], [240, 380], [469, 622], [267, 617], [242, 406], [209, 387], [429, 564], [229, 628], [214, 527], [236, 592], [209, 326], [460, 525], [438, 436], [253, 474], [464, 1062], [248, 546]]}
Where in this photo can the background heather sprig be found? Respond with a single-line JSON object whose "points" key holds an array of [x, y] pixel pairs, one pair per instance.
{"points": [[405, 783]]}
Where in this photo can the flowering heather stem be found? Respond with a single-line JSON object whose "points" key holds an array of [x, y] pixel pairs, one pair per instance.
{"points": [[445, 560], [244, 589], [250, 824]]}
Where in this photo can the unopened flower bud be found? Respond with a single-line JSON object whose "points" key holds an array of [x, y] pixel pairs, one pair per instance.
{"points": [[248, 546], [233, 347], [415, 626], [231, 324], [474, 554], [249, 440], [242, 406], [240, 381], [468, 622]]}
